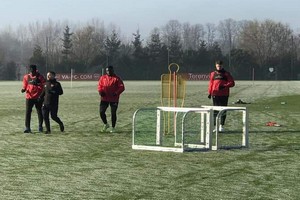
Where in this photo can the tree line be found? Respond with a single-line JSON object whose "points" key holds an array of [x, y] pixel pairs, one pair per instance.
{"points": [[264, 50]]}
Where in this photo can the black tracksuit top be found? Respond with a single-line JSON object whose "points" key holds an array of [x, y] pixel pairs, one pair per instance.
{"points": [[51, 92]]}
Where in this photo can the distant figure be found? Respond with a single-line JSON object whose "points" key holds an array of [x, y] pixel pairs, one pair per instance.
{"points": [[110, 86], [33, 84], [50, 94], [218, 89]]}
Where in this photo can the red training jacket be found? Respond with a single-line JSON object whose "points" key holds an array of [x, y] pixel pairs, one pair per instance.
{"points": [[111, 86], [33, 85], [217, 79]]}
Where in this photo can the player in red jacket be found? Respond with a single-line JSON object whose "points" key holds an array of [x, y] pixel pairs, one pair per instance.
{"points": [[33, 84], [218, 89], [110, 86]]}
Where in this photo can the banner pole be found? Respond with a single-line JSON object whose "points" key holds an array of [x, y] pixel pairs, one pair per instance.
{"points": [[71, 78]]}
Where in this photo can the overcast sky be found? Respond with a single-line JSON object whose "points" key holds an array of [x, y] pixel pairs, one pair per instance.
{"points": [[130, 15]]}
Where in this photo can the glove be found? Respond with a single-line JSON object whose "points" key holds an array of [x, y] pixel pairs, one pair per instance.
{"points": [[209, 96], [102, 94], [23, 90], [221, 87]]}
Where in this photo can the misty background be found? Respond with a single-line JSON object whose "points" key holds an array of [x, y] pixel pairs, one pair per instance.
{"points": [[141, 38]]}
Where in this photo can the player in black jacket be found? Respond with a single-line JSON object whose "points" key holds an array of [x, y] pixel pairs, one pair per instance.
{"points": [[50, 97]]}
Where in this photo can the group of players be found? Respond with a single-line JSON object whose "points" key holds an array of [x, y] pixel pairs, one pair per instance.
{"points": [[44, 95]]}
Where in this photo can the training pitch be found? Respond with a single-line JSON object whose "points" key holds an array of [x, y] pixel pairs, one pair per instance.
{"points": [[83, 163]]}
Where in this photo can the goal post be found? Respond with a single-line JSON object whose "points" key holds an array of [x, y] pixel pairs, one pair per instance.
{"points": [[192, 127]]}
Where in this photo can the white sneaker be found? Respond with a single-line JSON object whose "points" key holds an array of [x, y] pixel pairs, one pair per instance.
{"points": [[221, 129], [105, 127], [113, 130]]}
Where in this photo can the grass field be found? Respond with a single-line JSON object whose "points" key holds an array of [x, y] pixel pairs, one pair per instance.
{"points": [[84, 163]]}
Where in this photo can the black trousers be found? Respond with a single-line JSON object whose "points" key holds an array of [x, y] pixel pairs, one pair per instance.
{"points": [[220, 101], [29, 105], [113, 109], [52, 110]]}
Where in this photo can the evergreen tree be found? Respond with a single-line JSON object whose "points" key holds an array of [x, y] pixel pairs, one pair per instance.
{"points": [[112, 46], [175, 49], [154, 47], [39, 59], [67, 44], [215, 52], [8, 71], [137, 44]]}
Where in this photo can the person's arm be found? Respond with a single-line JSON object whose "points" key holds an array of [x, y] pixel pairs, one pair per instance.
{"points": [[41, 82], [100, 86], [210, 84], [230, 81], [59, 89], [25, 83], [42, 95], [121, 86]]}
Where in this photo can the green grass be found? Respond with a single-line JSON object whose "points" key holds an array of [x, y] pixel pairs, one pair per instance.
{"points": [[84, 163]]}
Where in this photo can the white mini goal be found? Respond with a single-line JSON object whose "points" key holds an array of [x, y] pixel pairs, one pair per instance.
{"points": [[183, 139], [192, 129]]}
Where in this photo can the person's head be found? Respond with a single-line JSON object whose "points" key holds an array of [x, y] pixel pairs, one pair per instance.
{"points": [[51, 75], [219, 64], [109, 70], [32, 69]]}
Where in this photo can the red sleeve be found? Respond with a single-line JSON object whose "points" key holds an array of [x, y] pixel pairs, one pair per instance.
{"points": [[210, 85], [43, 80], [230, 81], [25, 82], [121, 86], [100, 84]]}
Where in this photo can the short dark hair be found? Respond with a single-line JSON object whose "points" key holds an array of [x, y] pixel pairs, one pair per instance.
{"points": [[219, 62], [32, 67], [110, 67], [52, 72]]}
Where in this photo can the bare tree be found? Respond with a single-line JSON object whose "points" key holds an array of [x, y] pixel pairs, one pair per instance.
{"points": [[172, 37], [100, 34], [265, 40], [84, 47], [229, 31], [210, 35], [193, 35]]}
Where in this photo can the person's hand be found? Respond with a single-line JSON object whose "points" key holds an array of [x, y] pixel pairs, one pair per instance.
{"points": [[221, 87], [39, 100], [33, 82], [23, 90], [102, 94], [209, 96]]}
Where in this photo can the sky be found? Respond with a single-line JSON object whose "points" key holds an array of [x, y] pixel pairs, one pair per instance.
{"points": [[130, 15]]}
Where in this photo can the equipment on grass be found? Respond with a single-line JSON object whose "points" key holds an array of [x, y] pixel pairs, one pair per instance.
{"points": [[191, 132], [272, 124], [173, 90], [193, 129]]}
